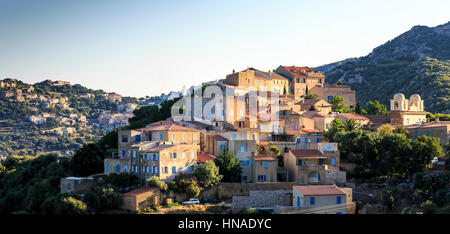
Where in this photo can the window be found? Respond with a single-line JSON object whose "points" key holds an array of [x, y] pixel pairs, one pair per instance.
{"points": [[260, 138], [300, 162], [338, 200], [173, 155], [166, 170], [428, 133], [333, 161], [183, 155], [242, 148], [233, 137], [125, 168], [134, 153], [161, 137], [223, 112], [350, 98], [304, 81], [306, 139], [107, 168], [312, 200], [150, 137], [192, 155], [330, 97], [137, 138], [266, 165], [124, 138], [123, 153], [320, 161], [299, 140], [329, 148], [416, 133], [244, 178], [174, 170], [318, 140]]}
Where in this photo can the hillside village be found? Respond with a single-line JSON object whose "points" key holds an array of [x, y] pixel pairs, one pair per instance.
{"points": [[52, 109], [287, 165]]}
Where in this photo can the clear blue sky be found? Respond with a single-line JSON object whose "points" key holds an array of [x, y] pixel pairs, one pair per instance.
{"points": [[141, 48]]}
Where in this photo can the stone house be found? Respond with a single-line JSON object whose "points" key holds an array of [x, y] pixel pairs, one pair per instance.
{"points": [[321, 199]]}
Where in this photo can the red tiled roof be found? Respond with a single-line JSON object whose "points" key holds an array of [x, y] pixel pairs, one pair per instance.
{"points": [[169, 127], [135, 192], [379, 119], [429, 125], [160, 123], [203, 157], [309, 190], [306, 153], [298, 70], [219, 138], [313, 114], [353, 116]]}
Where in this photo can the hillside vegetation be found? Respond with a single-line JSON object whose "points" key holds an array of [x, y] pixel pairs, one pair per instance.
{"points": [[417, 61]]}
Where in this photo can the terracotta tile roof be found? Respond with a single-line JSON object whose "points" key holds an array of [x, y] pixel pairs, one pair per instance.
{"points": [[429, 125], [160, 123], [379, 119], [298, 70], [136, 192], [308, 101], [203, 157], [310, 190], [353, 116], [169, 127], [219, 138], [313, 114], [306, 153]]}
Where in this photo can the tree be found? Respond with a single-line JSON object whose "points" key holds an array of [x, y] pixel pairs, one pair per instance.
{"points": [[425, 148], [88, 160], [385, 129], [358, 109], [338, 105], [208, 174], [122, 181], [156, 182], [102, 199], [228, 167], [376, 108], [336, 126], [187, 184], [350, 125], [64, 204], [400, 130]]}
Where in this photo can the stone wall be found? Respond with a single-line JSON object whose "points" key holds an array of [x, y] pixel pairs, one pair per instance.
{"points": [[262, 199], [228, 190]]}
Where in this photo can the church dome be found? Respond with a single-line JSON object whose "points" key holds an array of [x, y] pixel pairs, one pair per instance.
{"points": [[399, 96]]}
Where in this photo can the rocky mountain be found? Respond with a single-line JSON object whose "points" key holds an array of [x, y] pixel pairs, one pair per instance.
{"points": [[417, 61]]}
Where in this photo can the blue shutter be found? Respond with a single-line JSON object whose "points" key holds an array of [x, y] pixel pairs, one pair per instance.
{"points": [[242, 148], [299, 140], [266, 165], [338, 200], [150, 137], [137, 138], [264, 178], [306, 139], [123, 153], [333, 161], [416, 133], [298, 201], [174, 170], [312, 200], [428, 133], [161, 137], [318, 139]]}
